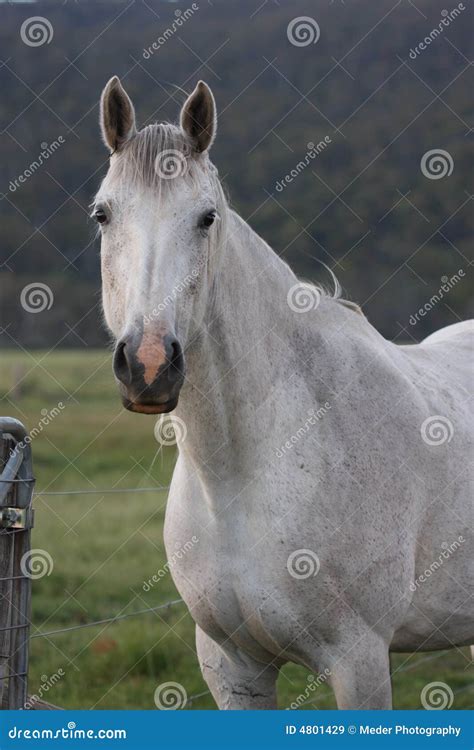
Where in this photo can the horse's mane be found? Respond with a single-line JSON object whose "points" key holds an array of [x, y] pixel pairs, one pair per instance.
{"points": [[335, 293]]}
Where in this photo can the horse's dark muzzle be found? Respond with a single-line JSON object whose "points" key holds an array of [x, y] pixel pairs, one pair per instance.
{"points": [[150, 372]]}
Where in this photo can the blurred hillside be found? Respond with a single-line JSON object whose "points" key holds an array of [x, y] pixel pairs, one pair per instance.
{"points": [[363, 205]]}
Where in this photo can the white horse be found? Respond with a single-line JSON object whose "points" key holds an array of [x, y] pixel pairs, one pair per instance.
{"points": [[323, 469]]}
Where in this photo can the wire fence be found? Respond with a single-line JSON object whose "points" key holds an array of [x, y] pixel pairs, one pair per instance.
{"points": [[16, 494], [16, 521]]}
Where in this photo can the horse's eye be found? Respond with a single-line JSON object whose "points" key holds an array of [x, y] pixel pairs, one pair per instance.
{"points": [[208, 219], [100, 216]]}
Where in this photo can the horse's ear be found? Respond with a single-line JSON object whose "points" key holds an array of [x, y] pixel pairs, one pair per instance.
{"points": [[117, 115], [198, 117]]}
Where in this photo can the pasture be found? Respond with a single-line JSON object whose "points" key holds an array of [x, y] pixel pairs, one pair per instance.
{"points": [[105, 546]]}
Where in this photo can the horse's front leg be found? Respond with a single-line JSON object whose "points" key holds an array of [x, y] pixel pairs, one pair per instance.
{"points": [[360, 675], [235, 680]]}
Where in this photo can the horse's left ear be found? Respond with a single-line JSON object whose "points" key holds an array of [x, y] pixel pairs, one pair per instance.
{"points": [[198, 117]]}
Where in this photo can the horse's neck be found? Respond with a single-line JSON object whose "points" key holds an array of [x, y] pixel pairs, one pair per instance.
{"points": [[228, 364], [243, 355], [249, 293]]}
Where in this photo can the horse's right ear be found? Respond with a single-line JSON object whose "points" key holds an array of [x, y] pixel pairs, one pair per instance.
{"points": [[117, 115]]}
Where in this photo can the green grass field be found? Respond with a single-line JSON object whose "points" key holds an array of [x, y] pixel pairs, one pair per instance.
{"points": [[105, 546]]}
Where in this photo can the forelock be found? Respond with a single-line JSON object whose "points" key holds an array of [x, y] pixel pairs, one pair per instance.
{"points": [[159, 155]]}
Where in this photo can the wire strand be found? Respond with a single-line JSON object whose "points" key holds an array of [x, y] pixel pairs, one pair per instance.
{"points": [[106, 620], [102, 492]]}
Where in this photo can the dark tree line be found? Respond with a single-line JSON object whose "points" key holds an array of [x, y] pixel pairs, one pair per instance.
{"points": [[363, 204]]}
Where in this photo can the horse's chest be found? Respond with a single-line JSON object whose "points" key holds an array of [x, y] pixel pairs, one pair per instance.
{"points": [[218, 580], [228, 606], [204, 577]]}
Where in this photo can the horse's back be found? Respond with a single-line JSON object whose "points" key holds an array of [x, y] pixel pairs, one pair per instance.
{"points": [[444, 360], [452, 334]]}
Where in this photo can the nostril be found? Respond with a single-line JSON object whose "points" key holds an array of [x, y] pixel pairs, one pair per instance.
{"points": [[175, 356], [121, 364], [175, 351]]}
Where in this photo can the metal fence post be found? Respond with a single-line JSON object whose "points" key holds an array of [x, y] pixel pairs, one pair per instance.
{"points": [[16, 520]]}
